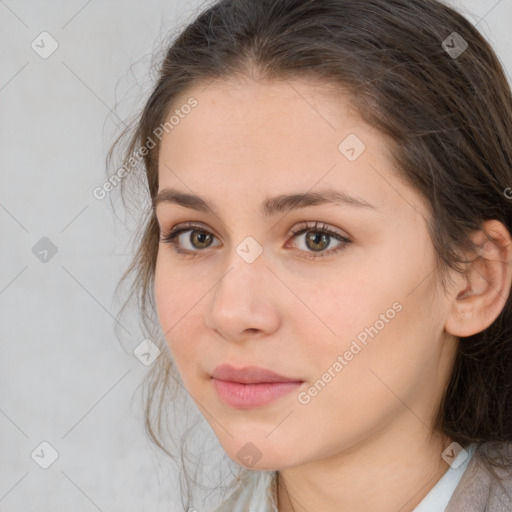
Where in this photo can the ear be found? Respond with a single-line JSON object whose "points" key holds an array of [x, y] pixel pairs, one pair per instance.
{"points": [[483, 291]]}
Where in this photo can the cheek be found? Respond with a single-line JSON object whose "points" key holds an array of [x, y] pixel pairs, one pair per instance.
{"points": [[372, 322], [352, 292], [339, 310], [174, 289], [179, 301], [389, 350], [364, 378], [171, 299], [165, 291]]}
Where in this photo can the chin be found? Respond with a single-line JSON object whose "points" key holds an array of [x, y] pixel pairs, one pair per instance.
{"points": [[257, 453]]}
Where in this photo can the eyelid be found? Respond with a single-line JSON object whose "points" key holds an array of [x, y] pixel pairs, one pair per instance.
{"points": [[304, 225], [317, 226], [170, 235]]}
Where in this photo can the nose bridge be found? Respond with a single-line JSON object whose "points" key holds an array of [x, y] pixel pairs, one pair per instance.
{"points": [[239, 300], [245, 267]]}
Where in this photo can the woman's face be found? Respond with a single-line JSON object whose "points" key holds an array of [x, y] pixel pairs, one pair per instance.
{"points": [[356, 324]]}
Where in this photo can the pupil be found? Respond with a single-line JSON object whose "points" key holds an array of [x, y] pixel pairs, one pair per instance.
{"points": [[315, 240], [201, 237]]}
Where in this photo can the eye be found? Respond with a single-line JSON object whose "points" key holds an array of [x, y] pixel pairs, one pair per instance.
{"points": [[318, 239], [198, 235]]}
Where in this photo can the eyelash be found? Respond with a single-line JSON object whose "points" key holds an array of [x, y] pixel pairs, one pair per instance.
{"points": [[170, 236]]}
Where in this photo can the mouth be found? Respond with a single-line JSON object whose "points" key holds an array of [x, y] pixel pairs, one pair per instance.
{"points": [[251, 386]]}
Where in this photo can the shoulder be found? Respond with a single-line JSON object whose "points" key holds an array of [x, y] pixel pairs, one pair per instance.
{"points": [[486, 484]]}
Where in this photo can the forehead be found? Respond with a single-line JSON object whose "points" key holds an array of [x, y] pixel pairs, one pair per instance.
{"points": [[269, 137], [246, 109]]}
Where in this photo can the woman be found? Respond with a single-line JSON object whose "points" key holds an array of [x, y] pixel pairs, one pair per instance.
{"points": [[328, 252]]}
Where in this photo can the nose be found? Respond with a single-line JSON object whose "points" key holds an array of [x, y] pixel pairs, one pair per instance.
{"points": [[244, 301]]}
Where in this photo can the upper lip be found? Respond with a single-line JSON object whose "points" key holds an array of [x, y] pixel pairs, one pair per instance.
{"points": [[248, 375]]}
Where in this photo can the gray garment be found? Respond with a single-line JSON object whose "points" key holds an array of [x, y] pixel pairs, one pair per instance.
{"points": [[477, 491]]}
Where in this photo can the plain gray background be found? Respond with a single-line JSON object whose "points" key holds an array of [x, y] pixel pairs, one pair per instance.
{"points": [[64, 378]]}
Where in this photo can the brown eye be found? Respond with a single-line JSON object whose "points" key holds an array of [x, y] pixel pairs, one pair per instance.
{"points": [[198, 239], [318, 239]]}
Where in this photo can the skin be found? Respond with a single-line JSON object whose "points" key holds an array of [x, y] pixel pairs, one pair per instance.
{"points": [[364, 442]]}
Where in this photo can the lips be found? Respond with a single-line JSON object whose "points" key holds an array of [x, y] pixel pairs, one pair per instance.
{"points": [[251, 387], [249, 375]]}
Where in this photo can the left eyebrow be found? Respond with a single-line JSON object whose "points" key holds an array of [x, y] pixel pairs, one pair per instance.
{"points": [[270, 206]]}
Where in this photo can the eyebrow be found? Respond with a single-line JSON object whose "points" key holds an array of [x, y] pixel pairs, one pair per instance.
{"points": [[270, 206]]}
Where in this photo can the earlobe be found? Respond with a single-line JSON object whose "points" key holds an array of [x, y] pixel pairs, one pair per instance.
{"points": [[486, 286]]}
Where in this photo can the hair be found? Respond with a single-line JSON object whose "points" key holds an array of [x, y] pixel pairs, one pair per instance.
{"points": [[448, 123]]}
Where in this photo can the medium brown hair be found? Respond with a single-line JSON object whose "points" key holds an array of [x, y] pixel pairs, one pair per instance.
{"points": [[447, 120]]}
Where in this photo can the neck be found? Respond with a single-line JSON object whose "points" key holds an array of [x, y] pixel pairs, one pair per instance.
{"points": [[386, 473]]}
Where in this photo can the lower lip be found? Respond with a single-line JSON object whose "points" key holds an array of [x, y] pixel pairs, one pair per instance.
{"points": [[248, 396]]}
